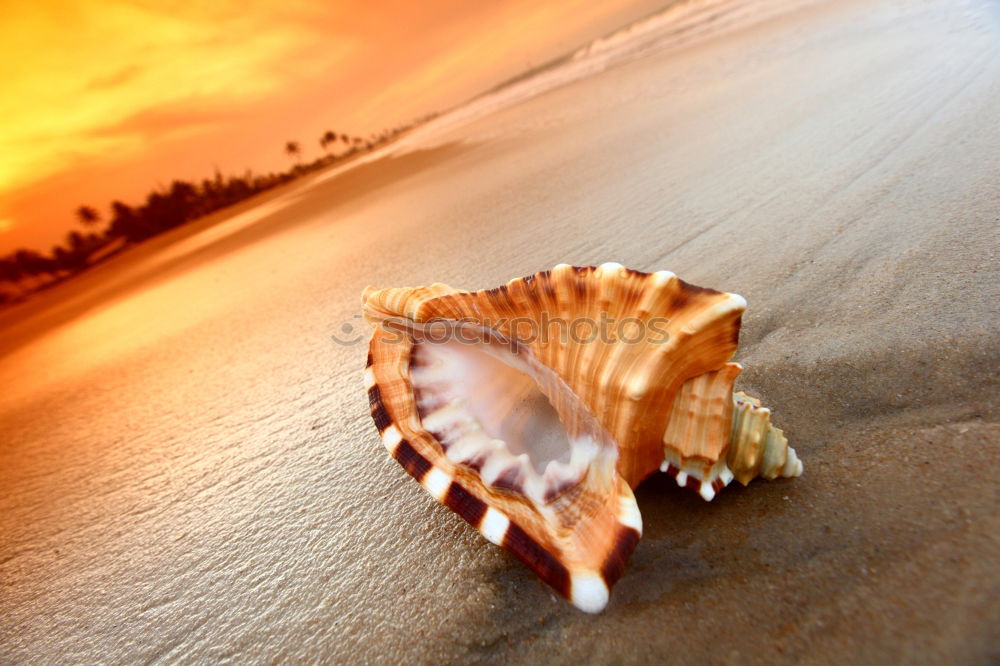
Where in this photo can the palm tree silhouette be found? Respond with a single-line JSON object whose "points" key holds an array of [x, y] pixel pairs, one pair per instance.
{"points": [[88, 216], [293, 150], [327, 140], [163, 209], [32, 263]]}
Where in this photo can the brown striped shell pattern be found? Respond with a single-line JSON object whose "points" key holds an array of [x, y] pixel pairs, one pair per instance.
{"points": [[534, 409]]}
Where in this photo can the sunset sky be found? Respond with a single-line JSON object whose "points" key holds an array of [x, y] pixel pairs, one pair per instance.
{"points": [[107, 99]]}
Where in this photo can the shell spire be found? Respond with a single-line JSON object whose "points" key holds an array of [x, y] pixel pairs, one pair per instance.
{"points": [[757, 448], [533, 409]]}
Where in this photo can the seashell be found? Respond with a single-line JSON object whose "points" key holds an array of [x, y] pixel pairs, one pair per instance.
{"points": [[534, 409]]}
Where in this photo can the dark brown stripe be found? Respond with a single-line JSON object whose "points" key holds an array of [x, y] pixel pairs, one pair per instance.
{"points": [[614, 564], [672, 471], [549, 289], [735, 336], [370, 361], [555, 490], [465, 504], [693, 483], [476, 462], [688, 292], [695, 290], [493, 296], [718, 485], [428, 401], [510, 479], [502, 300], [419, 357], [530, 288], [539, 560], [379, 415], [445, 444], [414, 463]]}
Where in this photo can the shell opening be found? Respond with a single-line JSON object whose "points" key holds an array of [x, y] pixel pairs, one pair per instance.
{"points": [[496, 409]]}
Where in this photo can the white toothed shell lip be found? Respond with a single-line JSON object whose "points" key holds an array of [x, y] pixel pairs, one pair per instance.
{"points": [[460, 393], [588, 591]]}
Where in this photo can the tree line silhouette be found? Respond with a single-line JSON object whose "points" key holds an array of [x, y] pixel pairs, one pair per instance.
{"points": [[26, 271]]}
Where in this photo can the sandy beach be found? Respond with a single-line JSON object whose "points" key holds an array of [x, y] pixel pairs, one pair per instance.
{"points": [[188, 468]]}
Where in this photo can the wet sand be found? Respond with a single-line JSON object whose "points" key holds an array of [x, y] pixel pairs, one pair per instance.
{"points": [[188, 471]]}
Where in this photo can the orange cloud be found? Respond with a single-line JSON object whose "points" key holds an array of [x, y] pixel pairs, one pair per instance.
{"points": [[72, 71], [104, 99]]}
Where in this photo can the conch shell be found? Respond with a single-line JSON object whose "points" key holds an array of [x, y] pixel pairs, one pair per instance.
{"points": [[534, 409]]}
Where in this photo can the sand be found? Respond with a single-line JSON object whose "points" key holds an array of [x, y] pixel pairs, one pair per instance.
{"points": [[188, 471]]}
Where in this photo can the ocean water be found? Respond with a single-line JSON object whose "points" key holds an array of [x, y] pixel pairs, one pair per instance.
{"points": [[680, 24]]}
